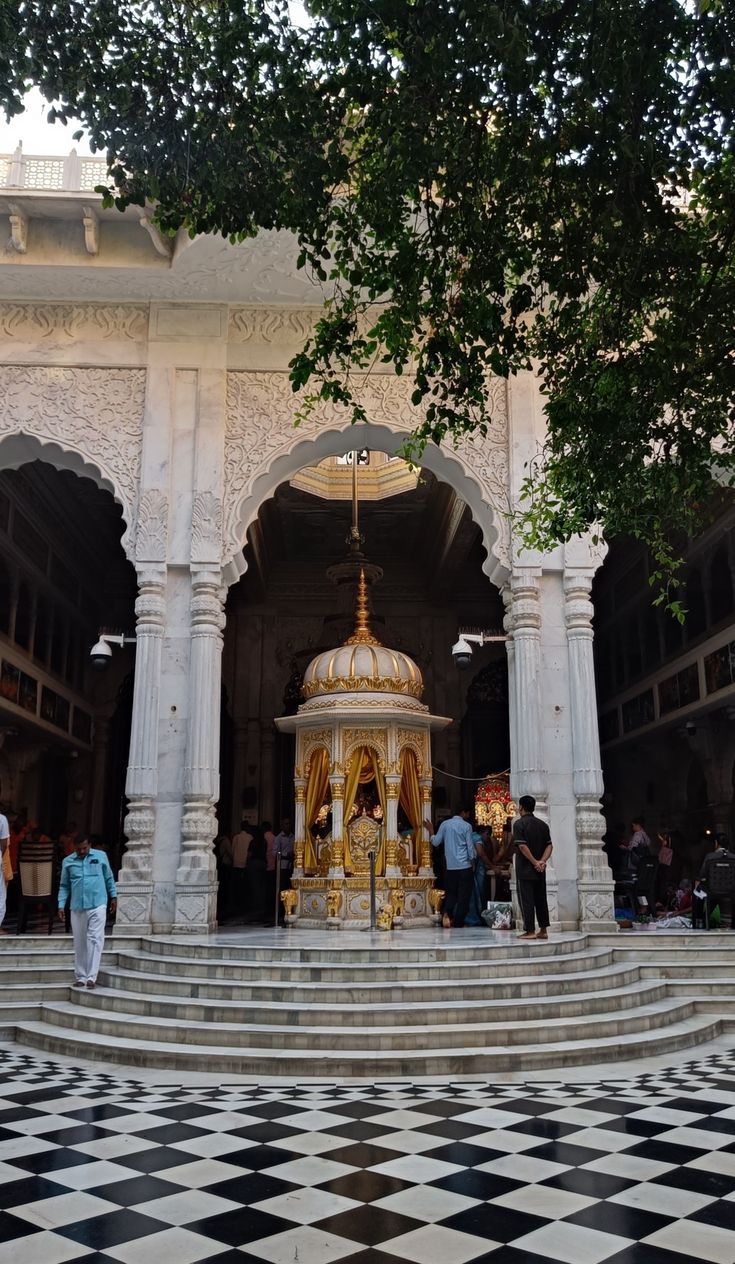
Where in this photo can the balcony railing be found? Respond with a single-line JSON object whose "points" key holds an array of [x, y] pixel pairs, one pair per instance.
{"points": [[51, 173]]}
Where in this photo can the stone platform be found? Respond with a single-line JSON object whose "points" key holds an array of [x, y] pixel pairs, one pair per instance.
{"points": [[324, 903], [265, 1003]]}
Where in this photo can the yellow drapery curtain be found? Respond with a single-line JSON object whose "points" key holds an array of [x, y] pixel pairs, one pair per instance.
{"points": [[380, 783], [409, 795], [316, 793], [363, 768]]}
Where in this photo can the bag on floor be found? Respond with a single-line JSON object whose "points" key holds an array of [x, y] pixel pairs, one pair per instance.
{"points": [[498, 916]]}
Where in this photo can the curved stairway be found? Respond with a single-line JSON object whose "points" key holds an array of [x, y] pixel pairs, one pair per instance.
{"points": [[453, 1005]]}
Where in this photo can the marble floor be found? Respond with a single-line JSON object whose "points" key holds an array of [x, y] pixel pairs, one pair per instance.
{"points": [[637, 1167]]}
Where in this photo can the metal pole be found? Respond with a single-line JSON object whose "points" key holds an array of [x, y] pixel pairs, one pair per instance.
{"points": [[371, 857], [278, 886]]}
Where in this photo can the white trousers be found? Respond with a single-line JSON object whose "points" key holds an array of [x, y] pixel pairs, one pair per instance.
{"points": [[3, 896], [88, 930]]}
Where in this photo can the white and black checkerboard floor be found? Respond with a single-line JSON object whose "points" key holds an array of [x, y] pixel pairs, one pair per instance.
{"points": [[106, 1168]]}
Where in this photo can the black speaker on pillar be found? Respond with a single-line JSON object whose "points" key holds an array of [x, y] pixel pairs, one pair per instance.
{"points": [[250, 797], [440, 796]]}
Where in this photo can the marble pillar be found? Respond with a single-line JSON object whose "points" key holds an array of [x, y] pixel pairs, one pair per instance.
{"points": [[424, 850], [196, 877], [299, 826], [392, 790], [594, 880], [135, 880], [337, 854], [528, 773]]}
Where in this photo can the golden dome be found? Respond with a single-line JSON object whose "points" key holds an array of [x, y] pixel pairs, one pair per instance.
{"points": [[362, 664]]}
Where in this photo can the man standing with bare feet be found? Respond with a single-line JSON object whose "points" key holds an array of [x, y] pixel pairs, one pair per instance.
{"points": [[533, 847]]}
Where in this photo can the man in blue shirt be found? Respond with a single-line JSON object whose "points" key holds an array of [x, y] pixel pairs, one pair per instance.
{"points": [[87, 883], [459, 858]]}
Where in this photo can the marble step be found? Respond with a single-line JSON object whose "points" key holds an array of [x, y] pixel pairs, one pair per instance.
{"points": [[240, 968], [360, 1041], [44, 945], [28, 966], [399, 949], [685, 940], [463, 1008], [722, 987], [683, 971], [42, 990], [43, 975], [262, 1063], [397, 992]]}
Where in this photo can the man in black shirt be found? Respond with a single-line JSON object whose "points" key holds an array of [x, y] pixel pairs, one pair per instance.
{"points": [[533, 847]]}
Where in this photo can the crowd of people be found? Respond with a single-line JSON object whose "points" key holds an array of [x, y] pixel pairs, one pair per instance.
{"points": [[27, 841], [67, 876], [252, 867], [473, 866], [665, 882]]}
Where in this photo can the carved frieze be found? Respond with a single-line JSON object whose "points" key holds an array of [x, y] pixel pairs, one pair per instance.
{"points": [[88, 321], [279, 325]]}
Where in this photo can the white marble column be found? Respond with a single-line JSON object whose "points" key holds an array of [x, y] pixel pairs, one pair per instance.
{"points": [[510, 651], [528, 775], [594, 880], [337, 852], [135, 880], [392, 791], [196, 877], [424, 849], [299, 826]]}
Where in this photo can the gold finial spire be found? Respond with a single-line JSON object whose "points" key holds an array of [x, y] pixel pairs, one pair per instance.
{"points": [[362, 634]]}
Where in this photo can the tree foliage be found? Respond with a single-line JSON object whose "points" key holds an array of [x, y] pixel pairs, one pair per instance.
{"points": [[480, 187]]}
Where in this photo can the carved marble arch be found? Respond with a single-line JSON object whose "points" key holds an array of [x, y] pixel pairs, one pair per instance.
{"points": [[311, 742], [416, 742], [20, 449], [372, 739], [263, 448]]}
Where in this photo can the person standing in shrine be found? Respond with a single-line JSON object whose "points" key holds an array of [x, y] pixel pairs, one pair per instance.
{"points": [[459, 857], [240, 847], [533, 847]]}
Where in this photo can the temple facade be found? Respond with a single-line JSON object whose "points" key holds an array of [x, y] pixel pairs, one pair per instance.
{"points": [[157, 371]]}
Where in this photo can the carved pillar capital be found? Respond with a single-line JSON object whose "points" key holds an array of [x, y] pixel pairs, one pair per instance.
{"points": [[578, 607]]}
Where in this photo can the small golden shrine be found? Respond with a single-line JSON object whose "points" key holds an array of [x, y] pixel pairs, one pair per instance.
{"points": [[362, 784], [494, 805]]}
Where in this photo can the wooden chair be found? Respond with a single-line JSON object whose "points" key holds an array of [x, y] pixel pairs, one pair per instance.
{"points": [[36, 887]]}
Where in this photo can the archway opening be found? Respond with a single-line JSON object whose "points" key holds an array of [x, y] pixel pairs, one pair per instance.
{"points": [[64, 727], [666, 688], [294, 601]]}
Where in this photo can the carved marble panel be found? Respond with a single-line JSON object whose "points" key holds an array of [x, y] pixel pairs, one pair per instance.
{"points": [[96, 414], [261, 433]]}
